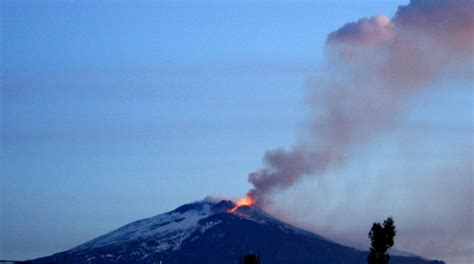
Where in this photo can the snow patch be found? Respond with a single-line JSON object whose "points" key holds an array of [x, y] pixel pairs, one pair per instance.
{"points": [[168, 230]]}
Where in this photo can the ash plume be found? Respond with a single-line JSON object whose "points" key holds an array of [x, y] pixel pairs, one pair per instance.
{"points": [[373, 66]]}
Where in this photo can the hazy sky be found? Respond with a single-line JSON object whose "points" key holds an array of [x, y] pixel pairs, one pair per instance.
{"points": [[114, 112]]}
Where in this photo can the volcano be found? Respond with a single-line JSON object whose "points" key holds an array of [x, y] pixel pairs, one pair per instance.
{"points": [[214, 232]]}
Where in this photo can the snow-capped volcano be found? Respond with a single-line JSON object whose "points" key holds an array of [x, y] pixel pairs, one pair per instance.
{"points": [[172, 228], [212, 232]]}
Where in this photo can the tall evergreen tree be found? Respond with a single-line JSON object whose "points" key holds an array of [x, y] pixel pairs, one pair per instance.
{"points": [[382, 238]]}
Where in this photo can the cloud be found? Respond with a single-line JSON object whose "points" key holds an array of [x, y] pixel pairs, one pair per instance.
{"points": [[374, 69], [378, 29]]}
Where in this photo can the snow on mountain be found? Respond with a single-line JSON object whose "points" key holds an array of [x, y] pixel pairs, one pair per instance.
{"points": [[210, 232], [170, 228]]}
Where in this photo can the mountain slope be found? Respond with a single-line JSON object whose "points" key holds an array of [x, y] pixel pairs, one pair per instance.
{"points": [[209, 232]]}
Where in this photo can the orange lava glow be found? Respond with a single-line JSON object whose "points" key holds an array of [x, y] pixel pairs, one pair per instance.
{"points": [[246, 201]]}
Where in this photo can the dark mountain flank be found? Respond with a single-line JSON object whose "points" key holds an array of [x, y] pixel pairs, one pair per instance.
{"points": [[212, 233]]}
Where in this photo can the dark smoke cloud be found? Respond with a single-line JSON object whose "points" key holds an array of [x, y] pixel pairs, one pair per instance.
{"points": [[372, 67]]}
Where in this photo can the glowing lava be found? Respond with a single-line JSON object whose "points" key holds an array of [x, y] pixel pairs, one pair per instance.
{"points": [[246, 201]]}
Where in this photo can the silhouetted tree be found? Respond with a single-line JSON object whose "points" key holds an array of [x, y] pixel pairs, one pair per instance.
{"points": [[382, 240]]}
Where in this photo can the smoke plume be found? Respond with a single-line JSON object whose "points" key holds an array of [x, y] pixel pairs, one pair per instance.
{"points": [[372, 67]]}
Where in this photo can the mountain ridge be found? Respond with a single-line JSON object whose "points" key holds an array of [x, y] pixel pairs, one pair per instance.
{"points": [[213, 232]]}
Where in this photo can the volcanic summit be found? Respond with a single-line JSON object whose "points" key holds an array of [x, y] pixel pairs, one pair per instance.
{"points": [[214, 232]]}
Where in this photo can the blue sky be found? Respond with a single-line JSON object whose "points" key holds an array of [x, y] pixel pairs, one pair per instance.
{"points": [[112, 112]]}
